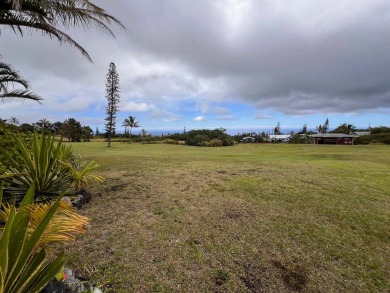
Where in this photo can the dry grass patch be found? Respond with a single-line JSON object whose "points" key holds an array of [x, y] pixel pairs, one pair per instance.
{"points": [[238, 219]]}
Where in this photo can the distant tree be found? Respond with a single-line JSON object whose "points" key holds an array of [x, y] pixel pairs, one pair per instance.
{"points": [[112, 95], [304, 129], [130, 123], [345, 128], [276, 129], [207, 137], [86, 133], [8, 76], [380, 129], [25, 127], [324, 127], [143, 135], [71, 129], [43, 125], [56, 127], [14, 121], [97, 131]]}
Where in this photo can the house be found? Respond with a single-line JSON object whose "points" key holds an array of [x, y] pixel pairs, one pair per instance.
{"points": [[248, 139], [333, 138], [279, 137]]}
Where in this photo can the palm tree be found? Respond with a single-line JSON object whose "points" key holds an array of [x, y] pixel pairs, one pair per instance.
{"points": [[43, 124], [323, 128], [14, 121], [143, 134], [130, 123], [9, 76], [49, 17]]}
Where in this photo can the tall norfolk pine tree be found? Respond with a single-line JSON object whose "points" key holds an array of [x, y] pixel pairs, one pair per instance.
{"points": [[112, 95]]}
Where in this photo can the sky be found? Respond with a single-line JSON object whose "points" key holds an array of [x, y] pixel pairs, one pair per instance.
{"points": [[243, 65]]}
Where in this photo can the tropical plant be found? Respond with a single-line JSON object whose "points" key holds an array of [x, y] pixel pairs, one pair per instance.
{"points": [[81, 177], [43, 125], [324, 127], [112, 96], [143, 135], [25, 237], [14, 121], [130, 123], [39, 163], [50, 17], [345, 128], [8, 76], [23, 264]]}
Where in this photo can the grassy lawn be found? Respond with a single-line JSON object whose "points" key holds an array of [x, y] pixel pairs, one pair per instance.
{"points": [[247, 218]]}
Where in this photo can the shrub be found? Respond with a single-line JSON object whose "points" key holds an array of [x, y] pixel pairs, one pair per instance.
{"points": [[170, 141], [373, 138], [51, 167], [42, 167], [380, 129], [205, 136], [7, 143], [213, 143]]}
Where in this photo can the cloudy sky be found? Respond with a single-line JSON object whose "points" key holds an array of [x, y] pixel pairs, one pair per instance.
{"points": [[237, 64]]}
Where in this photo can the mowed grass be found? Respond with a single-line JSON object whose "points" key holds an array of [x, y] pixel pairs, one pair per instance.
{"points": [[247, 218]]}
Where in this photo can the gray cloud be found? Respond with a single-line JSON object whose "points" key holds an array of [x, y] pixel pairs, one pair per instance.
{"points": [[298, 58]]}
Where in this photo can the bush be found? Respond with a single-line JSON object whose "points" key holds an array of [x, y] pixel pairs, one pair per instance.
{"points": [[373, 138], [206, 137], [51, 167], [380, 129], [170, 141], [7, 143], [213, 143]]}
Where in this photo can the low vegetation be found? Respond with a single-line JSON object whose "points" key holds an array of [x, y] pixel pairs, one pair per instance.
{"points": [[248, 218], [206, 137], [33, 215]]}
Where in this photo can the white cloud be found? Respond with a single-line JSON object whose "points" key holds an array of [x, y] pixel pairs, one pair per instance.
{"points": [[165, 116], [200, 118], [135, 107], [298, 57]]}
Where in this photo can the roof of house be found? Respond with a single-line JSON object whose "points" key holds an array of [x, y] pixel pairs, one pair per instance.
{"points": [[280, 136], [248, 137], [360, 133], [332, 135]]}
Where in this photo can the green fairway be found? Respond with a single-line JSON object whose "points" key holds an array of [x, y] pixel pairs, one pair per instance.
{"points": [[247, 218]]}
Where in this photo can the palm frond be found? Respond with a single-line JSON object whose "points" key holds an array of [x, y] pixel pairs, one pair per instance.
{"points": [[50, 16], [10, 76], [64, 226], [21, 94]]}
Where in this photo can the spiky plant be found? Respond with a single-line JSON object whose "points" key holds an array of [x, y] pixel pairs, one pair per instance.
{"points": [[40, 164], [81, 175]]}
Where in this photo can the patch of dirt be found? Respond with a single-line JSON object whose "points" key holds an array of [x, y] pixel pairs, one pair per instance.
{"points": [[255, 278], [295, 279], [118, 187], [233, 214]]}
